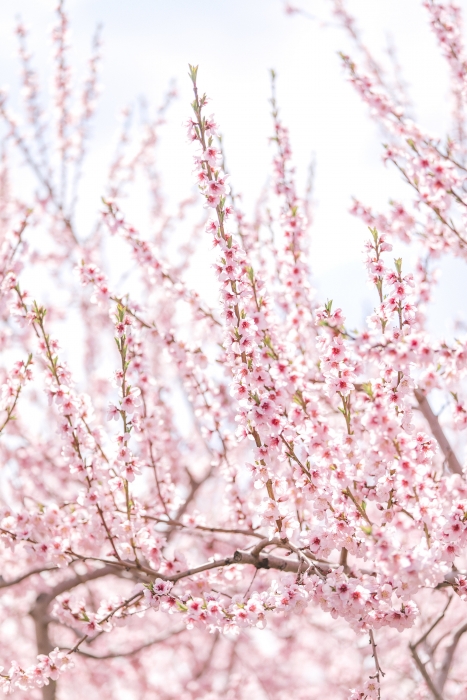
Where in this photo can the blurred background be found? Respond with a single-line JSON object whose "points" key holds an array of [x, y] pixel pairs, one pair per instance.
{"points": [[147, 44]]}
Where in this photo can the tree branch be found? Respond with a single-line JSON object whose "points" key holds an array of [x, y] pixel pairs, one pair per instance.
{"points": [[449, 657], [77, 580], [204, 528], [438, 434], [33, 572], [116, 655], [39, 613], [424, 672], [421, 666], [241, 557]]}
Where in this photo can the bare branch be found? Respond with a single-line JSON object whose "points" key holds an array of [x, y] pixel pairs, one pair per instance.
{"points": [[449, 657], [136, 650], [33, 572], [77, 580], [421, 666], [204, 528], [424, 672], [379, 670], [125, 603], [207, 661], [435, 623], [39, 613], [241, 557], [436, 429]]}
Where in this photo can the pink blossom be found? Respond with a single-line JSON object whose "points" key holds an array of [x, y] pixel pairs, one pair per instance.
{"points": [[131, 400], [113, 412]]}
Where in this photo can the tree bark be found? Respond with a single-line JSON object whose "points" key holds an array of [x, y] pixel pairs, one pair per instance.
{"points": [[40, 616]]}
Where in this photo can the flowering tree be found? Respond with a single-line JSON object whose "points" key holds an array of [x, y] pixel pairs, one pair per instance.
{"points": [[217, 469]]}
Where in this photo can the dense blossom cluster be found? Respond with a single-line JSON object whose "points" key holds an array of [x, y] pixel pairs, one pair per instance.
{"points": [[207, 469]]}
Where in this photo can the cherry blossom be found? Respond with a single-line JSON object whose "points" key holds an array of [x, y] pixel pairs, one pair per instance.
{"points": [[235, 495]]}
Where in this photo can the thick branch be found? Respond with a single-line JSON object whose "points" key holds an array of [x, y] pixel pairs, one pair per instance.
{"points": [[436, 429], [39, 614], [241, 557], [77, 581], [44, 645]]}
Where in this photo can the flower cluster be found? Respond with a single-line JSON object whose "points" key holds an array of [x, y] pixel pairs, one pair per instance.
{"points": [[48, 668], [183, 471]]}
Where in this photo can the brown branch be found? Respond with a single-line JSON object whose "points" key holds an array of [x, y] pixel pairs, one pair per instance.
{"points": [[208, 660], [265, 542], [44, 645], [379, 671], [241, 557], [77, 580], [424, 672], [449, 657], [421, 666], [33, 572], [122, 567], [204, 528], [115, 655], [435, 623], [450, 578], [39, 613], [124, 604], [343, 559], [194, 487], [438, 434]]}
